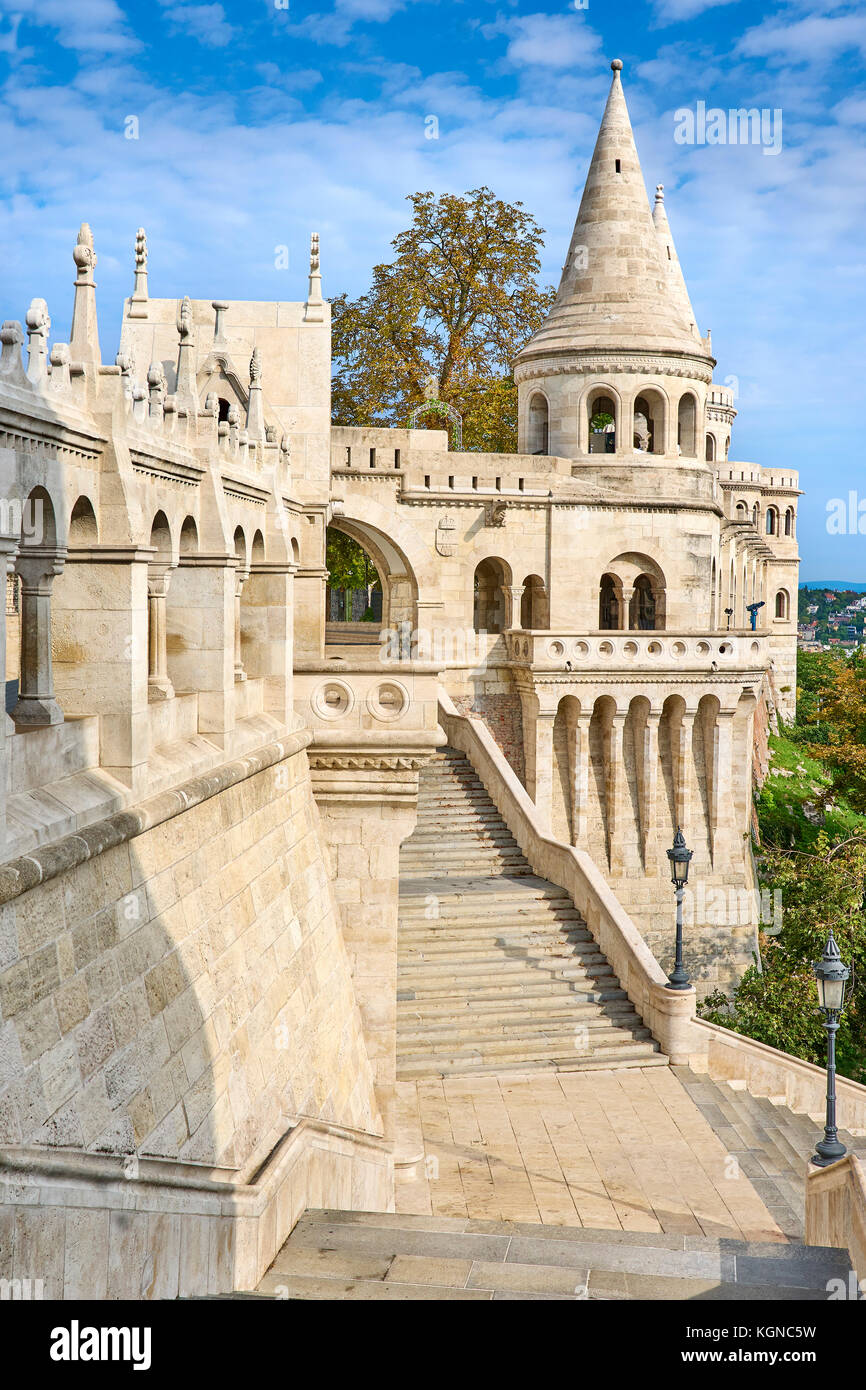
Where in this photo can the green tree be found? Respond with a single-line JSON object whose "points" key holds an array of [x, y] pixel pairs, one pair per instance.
{"points": [[457, 303], [349, 566]]}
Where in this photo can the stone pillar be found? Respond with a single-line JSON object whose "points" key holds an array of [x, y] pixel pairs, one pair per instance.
{"points": [[159, 687], [649, 789], [578, 769], [720, 768], [615, 782], [202, 623], [368, 804], [538, 753], [310, 583], [268, 623], [513, 595], [100, 605], [36, 568], [625, 609], [241, 577], [685, 788]]}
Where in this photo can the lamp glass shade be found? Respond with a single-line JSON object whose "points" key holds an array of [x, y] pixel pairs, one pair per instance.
{"points": [[831, 975], [680, 858], [831, 992]]}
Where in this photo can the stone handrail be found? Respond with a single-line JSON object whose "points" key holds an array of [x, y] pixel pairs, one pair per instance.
{"points": [[836, 1212], [669, 1015], [765, 1071], [647, 650]]}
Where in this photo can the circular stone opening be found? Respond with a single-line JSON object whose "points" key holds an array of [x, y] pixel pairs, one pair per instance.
{"points": [[388, 701], [332, 700]]}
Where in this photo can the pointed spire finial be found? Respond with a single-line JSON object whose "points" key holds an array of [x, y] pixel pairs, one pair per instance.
{"points": [[84, 338], [660, 192], [138, 298], [616, 65], [313, 312]]}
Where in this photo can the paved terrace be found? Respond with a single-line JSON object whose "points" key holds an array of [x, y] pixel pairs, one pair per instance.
{"points": [[658, 1150]]}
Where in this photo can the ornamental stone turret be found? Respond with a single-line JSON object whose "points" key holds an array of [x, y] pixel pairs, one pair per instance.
{"points": [[619, 366]]}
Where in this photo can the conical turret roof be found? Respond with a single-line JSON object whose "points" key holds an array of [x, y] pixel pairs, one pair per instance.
{"points": [[676, 279], [616, 291]]}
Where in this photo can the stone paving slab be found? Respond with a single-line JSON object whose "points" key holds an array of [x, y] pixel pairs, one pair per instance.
{"points": [[627, 1150]]}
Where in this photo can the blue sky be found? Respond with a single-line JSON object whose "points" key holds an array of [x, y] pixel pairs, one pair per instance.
{"points": [[263, 121]]}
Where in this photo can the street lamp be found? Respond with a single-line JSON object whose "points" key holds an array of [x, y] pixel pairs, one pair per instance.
{"points": [[680, 858], [831, 975]]}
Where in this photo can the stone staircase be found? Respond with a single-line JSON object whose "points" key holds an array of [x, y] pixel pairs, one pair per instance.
{"points": [[371, 1255], [496, 969], [771, 1143]]}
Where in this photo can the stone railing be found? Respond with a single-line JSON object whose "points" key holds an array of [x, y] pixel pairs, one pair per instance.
{"points": [[836, 1214], [765, 1071], [645, 651], [669, 1015]]}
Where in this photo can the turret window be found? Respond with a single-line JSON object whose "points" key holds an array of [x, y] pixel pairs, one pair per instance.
{"points": [[619, 166], [602, 426]]}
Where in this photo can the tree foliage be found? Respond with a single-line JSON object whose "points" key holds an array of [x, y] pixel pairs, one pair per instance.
{"points": [[348, 564], [457, 303], [813, 852]]}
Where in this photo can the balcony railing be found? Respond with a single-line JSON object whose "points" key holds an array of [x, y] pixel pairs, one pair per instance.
{"points": [[648, 650]]}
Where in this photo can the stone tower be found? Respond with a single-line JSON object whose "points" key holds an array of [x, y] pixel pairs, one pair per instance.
{"points": [[622, 313]]}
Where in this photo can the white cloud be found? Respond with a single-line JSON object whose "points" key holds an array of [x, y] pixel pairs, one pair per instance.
{"points": [[816, 39], [675, 11], [549, 41], [207, 23], [88, 26]]}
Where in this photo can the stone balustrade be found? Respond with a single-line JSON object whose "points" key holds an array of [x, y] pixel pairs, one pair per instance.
{"points": [[646, 651]]}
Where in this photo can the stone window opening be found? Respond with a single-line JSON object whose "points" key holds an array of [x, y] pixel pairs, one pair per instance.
{"points": [[538, 432], [782, 604], [224, 408], [772, 522], [789, 522], [159, 569], [602, 425], [489, 596], [648, 423], [609, 603], [534, 605], [39, 561], [642, 608], [710, 449], [242, 574], [687, 415], [619, 166]]}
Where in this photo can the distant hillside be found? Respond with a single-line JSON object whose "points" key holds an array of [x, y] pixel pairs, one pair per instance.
{"points": [[843, 585]]}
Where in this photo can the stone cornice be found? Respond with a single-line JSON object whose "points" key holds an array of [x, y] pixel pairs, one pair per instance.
{"points": [[614, 363]]}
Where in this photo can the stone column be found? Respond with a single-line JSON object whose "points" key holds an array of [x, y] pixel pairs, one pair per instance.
{"points": [[649, 789], [241, 577], [686, 791], [578, 769], [268, 617], [36, 568], [159, 687], [720, 767], [8, 548], [615, 780], [538, 753], [513, 595], [625, 609]]}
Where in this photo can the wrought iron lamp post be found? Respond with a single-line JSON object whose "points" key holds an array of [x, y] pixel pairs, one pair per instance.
{"points": [[831, 975], [680, 858]]}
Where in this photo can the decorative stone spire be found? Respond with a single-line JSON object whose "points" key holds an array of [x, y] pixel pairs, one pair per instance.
{"points": [[255, 409], [84, 339], [186, 389], [38, 327], [615, 293], [138, 300], [676, 280], [156, 386], [220, 308], [313, 310]]}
